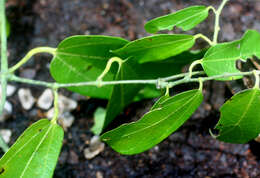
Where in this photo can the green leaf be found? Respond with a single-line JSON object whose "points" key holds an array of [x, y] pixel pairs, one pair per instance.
{"points": [[248, 44], [155, 48], [240, 117], [186, 19], [82, 59], [165, 118], [222, 58], [35, 153], [157, 69], [99, 120], [123, 94]]}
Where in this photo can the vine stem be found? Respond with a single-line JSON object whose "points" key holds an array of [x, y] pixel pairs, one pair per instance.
{"points": [[163, 82], [108, 66], [217, 27], [204, 38], [4, 66], [30, 54]]}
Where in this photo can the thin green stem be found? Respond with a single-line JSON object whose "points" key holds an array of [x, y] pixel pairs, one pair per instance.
{"points": [[108, 66], [217, 16], [56, 106], [200, 84], [193, 64], [162, 82], [213, 9], [4, 62], [204, 38], [30, 54], [187, 79]]}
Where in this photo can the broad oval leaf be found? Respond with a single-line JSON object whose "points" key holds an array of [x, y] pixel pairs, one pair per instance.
{"points": [[83, 58], [35, 153], [186, 19], [157, 47], [221, 58], [240, 117], [164, 118]]}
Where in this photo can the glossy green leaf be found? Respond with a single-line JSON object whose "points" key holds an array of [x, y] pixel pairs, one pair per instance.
{"points": [[240, 117], [222, 58], [186, 19], [249, 44], [82, 59], [164, 118], [35, 153], [155, 48], [123, 95], [99, 120]]}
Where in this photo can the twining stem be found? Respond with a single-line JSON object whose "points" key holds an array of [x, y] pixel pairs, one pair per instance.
{"points": [[193, 64], [108, 66], [56, 106], [204, 38], [217, 27], [30, 54], [164, 82], [4, 64]]}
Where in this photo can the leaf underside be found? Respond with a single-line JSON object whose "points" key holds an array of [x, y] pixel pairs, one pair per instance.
{"points": [[240, 117]]}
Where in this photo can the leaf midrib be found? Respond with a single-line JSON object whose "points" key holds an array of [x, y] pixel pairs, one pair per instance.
{"points": [[36, 149], [152, 125], [158, 45]]}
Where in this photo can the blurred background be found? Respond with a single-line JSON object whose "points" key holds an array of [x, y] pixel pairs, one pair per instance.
{"points": [[190, 152]]}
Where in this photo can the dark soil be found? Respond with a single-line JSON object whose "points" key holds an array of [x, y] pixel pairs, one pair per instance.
{"points": [[190, 152]]}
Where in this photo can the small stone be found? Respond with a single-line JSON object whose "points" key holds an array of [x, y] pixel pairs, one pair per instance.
{"points": [[6, 135], [66, 104], [74, 159], [26, 98], [4, 116], [8, 107], [66, 119], [95, 147], [50, 113], [99, 174], [257, 139], [46, 99], [10, 90]]}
